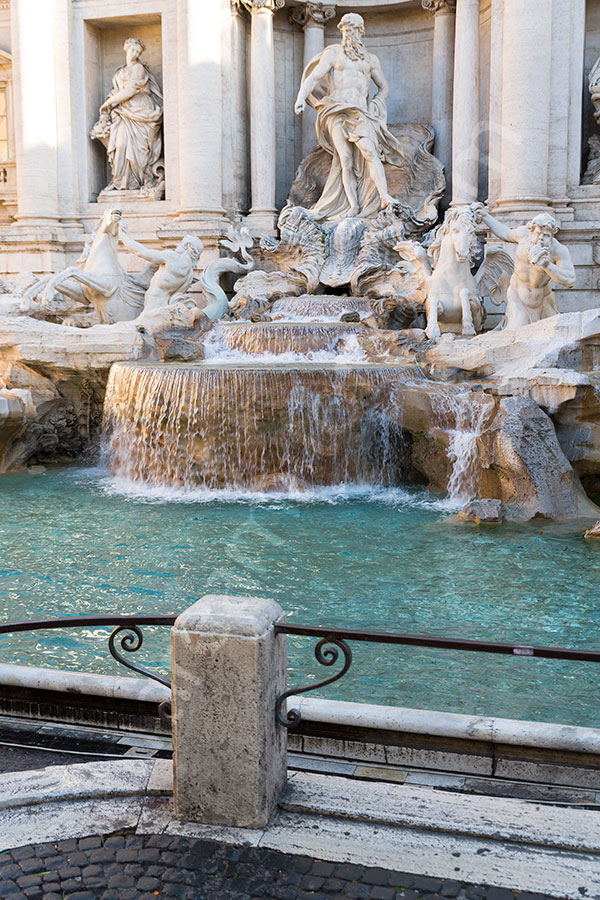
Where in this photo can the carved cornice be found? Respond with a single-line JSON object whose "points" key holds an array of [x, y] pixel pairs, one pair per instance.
{"points": [[436, 6], [256, 5], [319, 13]]}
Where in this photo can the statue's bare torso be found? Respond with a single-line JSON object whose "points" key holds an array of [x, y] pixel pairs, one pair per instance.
{"points": [[350, 78]]}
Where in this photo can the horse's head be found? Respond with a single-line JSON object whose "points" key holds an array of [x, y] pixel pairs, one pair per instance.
{"points": [[460, 229], [111, 221]]}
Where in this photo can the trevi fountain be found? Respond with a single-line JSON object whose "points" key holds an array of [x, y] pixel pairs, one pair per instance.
{"points": [[378, 406]]}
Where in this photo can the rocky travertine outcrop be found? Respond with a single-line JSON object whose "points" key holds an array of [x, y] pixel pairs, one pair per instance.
{"points": [[52, 383], [522, 465]]}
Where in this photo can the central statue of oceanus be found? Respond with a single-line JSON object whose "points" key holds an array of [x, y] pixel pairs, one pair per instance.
{"points": [[351, 127]]}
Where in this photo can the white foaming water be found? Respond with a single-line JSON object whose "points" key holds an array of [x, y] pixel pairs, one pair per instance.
{"points": [[144, 492], [344, 348]]}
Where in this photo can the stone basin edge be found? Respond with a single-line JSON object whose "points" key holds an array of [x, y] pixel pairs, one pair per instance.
{"points": [[495, 730]]}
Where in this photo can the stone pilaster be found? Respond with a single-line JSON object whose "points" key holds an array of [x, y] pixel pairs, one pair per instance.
{"points": [[526, 94], [262, 114], [466, 124], [443, 12], [32, 27], [577, 56], [46, 231], [312, 18]]}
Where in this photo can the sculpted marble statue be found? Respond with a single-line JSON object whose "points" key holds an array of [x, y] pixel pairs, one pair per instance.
{"points": [[540, 260], [175, 271], [98, 279], [594, 88], [130, 126], [351, 127], [450, 288]]}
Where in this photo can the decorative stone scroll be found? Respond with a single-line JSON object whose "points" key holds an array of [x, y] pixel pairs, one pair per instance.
{"points": [[436, 6], [130, 128], [255, 5], [319, 13]]}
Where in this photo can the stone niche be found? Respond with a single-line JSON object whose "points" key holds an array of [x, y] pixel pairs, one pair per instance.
{"points": [[592, 53], [401, 37], [103, 53]]}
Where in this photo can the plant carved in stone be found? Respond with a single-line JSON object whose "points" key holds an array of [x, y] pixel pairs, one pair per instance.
{"points": [[319, 13], [130, 127], [435, 6]]}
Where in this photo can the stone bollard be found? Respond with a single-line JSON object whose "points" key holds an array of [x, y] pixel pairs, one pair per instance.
{"points": [[229, 754]]}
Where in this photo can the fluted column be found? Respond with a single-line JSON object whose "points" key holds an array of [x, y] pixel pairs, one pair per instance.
{"points": [[238, 107], [443, 12], [526, 92], [200, 116], [262, 113], [312, 17], [465, 124]]}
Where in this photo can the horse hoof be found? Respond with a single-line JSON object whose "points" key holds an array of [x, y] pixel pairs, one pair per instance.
{"points": [[469, 331]]}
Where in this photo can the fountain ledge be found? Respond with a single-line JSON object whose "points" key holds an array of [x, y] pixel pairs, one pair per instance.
{"points": [[542, 736]]}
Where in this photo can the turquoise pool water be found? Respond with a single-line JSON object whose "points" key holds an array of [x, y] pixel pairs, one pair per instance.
{"points": [[74, 542]]}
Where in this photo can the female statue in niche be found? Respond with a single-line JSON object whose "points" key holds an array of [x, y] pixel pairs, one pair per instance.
{"points": [[130, 127]]}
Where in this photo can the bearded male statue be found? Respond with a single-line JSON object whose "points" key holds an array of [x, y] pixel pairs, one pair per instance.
{"points": [[540, 260], [351, 127]]}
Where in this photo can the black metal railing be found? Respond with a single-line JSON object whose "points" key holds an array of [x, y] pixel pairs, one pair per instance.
{"points": [[327, 650], [333, 640], [127, 630]]}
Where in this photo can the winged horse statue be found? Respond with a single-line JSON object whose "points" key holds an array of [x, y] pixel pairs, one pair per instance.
{"points": [[454, 295]]}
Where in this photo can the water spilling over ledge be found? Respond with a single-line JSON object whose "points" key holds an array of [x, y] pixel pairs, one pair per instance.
{"points": [[257, 427], [321, 341], [319, 307]]}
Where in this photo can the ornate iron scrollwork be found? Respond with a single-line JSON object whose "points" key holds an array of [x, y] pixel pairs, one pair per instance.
{"points": [[327, 654], [131, 641]]}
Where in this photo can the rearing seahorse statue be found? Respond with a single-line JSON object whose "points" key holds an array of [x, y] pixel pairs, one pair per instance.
{"points": [[239, 241]]}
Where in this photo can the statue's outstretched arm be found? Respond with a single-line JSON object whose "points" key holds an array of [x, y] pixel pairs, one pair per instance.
{"points": [[153, 256], [498, 228]]}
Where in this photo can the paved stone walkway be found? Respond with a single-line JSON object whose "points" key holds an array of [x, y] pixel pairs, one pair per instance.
{"points": [[129, 867]]}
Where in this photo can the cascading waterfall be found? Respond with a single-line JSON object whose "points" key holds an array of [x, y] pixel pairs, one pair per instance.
{"points": [[255, 428], [320, 307], [247, 339], [463, 418]]}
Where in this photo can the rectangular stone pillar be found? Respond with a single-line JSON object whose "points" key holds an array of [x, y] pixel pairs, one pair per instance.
{"points": [[229, 753]]}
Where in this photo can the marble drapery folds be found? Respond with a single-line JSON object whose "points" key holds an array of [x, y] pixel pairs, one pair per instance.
{"points": [[357, 124], [130, 126], [135, 143]]}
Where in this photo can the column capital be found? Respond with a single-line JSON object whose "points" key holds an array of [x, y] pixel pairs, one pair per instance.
{"points": [[254, 6], [436, 6], [312, 13]]}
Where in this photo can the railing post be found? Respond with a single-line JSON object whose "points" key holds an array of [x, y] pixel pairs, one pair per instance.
{"points": [[228, 668]]}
